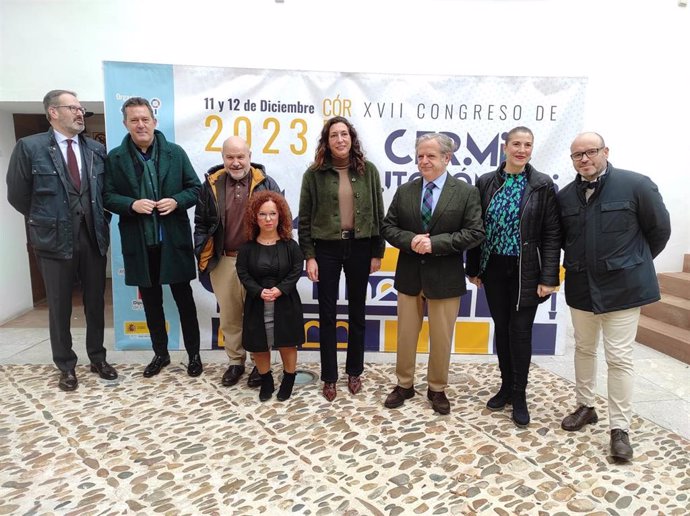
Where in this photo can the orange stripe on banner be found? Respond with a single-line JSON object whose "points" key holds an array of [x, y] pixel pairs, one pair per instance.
{"points": [[470, 337]]}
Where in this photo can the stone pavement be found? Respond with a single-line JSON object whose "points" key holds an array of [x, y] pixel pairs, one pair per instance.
{"points": [[178, 445]]}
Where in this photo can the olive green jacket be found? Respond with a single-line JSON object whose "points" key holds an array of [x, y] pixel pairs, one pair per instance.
{"points": [[319, 215]]}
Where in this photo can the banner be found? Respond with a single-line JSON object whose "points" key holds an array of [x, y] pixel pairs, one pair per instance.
{"points": [[281, 112]]}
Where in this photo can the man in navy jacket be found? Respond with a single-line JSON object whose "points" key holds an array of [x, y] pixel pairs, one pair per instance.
{"points": [[55, 179], [614, 225]]}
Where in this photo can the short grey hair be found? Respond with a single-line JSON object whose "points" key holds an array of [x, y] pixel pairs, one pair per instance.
{"points": [[50, 100], [445, 142]]}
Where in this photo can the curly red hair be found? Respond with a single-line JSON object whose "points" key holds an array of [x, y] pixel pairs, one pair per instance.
{"points": [[257, 199]]}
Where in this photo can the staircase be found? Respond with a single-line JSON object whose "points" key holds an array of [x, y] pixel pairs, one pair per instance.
{"points": [[665, 325]]}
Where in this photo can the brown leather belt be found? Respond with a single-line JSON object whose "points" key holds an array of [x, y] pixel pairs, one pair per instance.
{"points": [[230, 253]]}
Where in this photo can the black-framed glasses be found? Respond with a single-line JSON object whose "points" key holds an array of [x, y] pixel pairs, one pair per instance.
{"points": [[590, 153], [74, 109]]}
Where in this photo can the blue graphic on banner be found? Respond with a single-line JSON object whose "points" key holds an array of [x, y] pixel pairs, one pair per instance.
{"points": [[155, 83]]}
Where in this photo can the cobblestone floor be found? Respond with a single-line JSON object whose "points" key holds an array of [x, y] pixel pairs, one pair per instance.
{"points": [[178, 445]]}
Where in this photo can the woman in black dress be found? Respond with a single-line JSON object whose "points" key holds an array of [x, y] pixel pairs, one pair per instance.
{"points": [[269, 266]]}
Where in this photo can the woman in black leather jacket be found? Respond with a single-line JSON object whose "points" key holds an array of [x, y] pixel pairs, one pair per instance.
{"points": [[518, 263]]}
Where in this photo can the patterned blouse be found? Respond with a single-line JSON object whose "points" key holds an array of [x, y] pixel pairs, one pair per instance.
{"points": [[502, 219]]}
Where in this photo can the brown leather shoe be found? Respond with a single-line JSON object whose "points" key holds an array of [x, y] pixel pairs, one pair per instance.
{"points": [[439, 402], [581, 417], [232, 375], [354, 384], [68, 380], [328, 391], [104, 370], [398, 396], [620, 445]]}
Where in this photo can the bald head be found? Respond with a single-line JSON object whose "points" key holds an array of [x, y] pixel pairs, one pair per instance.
{"points": [[236, 157], [589, 154]]}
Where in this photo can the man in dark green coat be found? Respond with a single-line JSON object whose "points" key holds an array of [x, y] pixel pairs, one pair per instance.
{"points": [[150, 184]]}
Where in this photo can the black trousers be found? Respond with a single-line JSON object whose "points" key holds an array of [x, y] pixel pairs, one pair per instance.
{"points": [[152, 298], [354, 257], [512, 327], [88, 267]]}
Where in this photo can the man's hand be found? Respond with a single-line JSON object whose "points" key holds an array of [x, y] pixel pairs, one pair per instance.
{"points": [[421, 244], [166, 206], [144, 206]]}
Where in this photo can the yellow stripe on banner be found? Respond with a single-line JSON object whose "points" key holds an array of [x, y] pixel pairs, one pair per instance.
{"points": [[470, 337], [220, 338], [390, 260]]}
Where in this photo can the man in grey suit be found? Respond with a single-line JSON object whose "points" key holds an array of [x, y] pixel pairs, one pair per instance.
{"points": [[55, 179], [432, 220]]}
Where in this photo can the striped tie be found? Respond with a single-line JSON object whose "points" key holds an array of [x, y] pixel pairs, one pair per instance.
{"points": [[427, 204]]}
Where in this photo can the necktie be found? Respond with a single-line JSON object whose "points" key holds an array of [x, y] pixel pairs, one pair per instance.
{"points": [[427, 204], [72, 165]]}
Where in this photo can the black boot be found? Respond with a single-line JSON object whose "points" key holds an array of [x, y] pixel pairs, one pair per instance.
{"points": [[520, 412], [267, 386], [286, 385], [502, 398]]}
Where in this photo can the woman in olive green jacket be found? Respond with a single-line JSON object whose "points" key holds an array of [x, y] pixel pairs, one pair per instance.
{"points": [[340, 214]]}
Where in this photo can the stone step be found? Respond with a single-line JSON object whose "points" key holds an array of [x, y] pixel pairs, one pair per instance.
{"points": [[670, 309], [686, 263], [675, 283], [673, 341]]}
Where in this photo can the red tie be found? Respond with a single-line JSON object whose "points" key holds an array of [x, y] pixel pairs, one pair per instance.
{"points": [[72, 165]]}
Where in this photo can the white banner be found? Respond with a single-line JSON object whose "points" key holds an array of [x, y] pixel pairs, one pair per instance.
{"points": [[281, 112]]}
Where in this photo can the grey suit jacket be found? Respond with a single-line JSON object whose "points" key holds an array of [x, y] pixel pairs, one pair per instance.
{"points": [[456, 225]]}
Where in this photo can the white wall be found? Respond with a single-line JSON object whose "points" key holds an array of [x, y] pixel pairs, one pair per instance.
{"points": [[634, 53], [15, 284]]}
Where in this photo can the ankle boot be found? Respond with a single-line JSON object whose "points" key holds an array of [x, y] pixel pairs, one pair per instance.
{"points": [[503, 397], [267, 386], [520, 412], [286, 385]]}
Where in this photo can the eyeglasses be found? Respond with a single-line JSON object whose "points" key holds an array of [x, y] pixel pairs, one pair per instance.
{"points": [[74, 109], [590, 153], [264, 216]]}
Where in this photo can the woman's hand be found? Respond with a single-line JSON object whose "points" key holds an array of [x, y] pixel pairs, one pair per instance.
{"points": [[475, 280], [545, 290], [271, 294], [375, 265], [312, 269]]}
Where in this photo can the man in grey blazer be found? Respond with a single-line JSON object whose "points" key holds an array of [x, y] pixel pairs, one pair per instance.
{"points": [[432, 220]]}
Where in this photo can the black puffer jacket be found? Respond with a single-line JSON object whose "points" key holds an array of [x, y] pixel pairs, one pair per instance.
{"points": [[540, 233]]}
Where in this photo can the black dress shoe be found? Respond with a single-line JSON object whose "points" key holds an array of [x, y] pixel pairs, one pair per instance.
{"points": [[232, 375], [195, 368], [581, 417], [158, 363], [104, 370], [439, 401], [398, 396], [620, 445], [254, 379], [68, 380]]}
